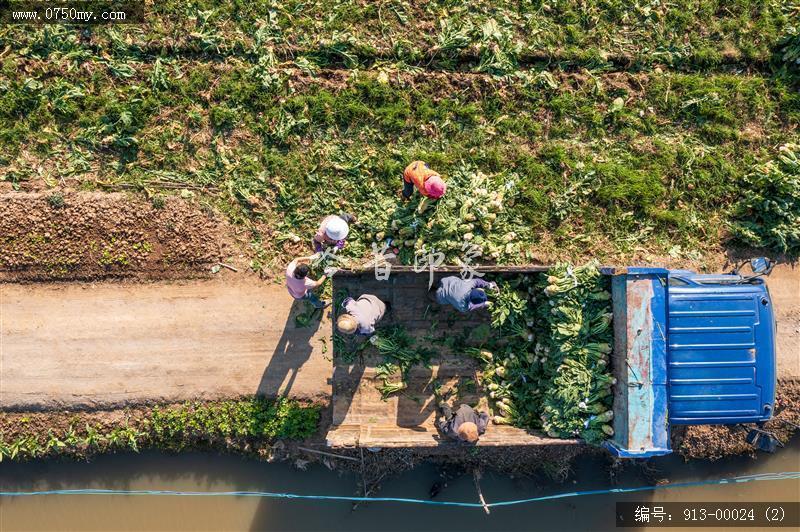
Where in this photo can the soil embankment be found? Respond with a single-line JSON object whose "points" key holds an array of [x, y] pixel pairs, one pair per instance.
{"points": [[91, 236], [718, 441]]}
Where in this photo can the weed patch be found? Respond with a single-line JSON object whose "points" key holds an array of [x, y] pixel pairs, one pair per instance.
{"points": [[233, 425], [768, 214]]}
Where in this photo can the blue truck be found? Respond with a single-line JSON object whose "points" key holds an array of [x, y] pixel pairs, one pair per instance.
{"points": [[690, 349]]}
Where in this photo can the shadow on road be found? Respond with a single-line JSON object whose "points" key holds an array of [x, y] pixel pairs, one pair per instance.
{"points": [[294, 348]]}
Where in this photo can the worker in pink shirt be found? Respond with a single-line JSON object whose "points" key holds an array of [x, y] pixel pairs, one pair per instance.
{"points": [[299, 285], [333, 231]]}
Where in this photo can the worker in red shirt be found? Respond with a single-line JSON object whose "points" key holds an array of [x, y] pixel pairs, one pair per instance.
{"points": [[429, 183]]}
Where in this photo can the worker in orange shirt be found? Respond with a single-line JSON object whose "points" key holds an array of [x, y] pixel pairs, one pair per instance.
{"points": [[429, 183]]}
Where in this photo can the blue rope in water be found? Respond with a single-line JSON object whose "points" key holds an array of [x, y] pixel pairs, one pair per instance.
{"points": [[266, 494]]}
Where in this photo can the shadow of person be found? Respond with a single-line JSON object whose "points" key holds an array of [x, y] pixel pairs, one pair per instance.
{"points": [[294, 348], [416, 405], [346, 380]]}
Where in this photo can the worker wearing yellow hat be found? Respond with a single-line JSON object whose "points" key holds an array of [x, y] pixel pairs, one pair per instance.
{"points": [[464, 425]]}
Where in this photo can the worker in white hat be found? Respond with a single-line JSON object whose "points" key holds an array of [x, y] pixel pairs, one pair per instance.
{"points": [[333, 231]]}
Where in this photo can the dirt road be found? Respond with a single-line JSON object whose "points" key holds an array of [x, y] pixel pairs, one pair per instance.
{"points": [[784, 288], [107, 344]]}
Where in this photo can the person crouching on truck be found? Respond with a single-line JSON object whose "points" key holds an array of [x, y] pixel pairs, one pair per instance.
{"points": [[465, 295], [299, 285], [361, 315], [333, 231], [465, 425], [429, 183]]}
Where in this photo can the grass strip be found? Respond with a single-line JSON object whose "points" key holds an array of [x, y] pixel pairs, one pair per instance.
{"points": [[234, 425]]}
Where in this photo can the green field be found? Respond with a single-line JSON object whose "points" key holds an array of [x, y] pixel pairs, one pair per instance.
{"points": [[630, 126]]}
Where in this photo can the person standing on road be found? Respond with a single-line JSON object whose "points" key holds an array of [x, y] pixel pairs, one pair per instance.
{"points": [[429, 183], [465, 425], [465, 295], [361, 315], [298, 283], [333, 231]]}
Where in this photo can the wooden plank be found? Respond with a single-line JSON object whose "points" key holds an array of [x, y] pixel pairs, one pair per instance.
{"points": [[401, 268], [362, 418]]}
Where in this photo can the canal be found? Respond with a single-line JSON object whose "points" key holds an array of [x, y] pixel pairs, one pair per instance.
{"points": [[209, 472]]}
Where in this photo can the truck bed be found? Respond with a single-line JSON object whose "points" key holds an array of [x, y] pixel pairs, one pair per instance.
{"points": [[362, 418]]}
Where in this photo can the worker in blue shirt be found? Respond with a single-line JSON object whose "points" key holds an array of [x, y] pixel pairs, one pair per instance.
{"points": [[465, 295]]}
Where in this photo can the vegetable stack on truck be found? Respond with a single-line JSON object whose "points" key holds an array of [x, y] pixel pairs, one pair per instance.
{"points": [[688, 349]]}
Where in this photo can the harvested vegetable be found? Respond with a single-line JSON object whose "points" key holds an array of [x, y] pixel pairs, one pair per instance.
{"points": [[769, 210], [470, 221], [578, 316], [399, 356], [549, 367]]}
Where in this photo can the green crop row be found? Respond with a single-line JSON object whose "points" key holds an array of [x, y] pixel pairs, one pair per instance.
{"points": [[489, 36], [224, 425], [608, 162]]}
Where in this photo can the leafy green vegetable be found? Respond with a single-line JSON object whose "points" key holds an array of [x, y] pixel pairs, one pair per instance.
{"points": [[549, 368], [507, 306], [399, 356], [578, 315], [769, 211], [789, 51], [472, 220]]}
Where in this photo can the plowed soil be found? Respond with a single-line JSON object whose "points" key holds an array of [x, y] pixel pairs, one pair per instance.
{"points": [[95, 236], [717, 441]]}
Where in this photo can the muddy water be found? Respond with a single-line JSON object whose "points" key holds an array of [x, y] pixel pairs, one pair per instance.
{"points": [[205, 472]]}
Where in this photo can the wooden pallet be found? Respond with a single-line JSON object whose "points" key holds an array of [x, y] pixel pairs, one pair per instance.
{"points": [[362, 418]]}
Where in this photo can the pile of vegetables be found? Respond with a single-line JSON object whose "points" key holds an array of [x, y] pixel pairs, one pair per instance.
{"points": [[549, 367], [399, 356], [472, 218], [577, 400], [769, 210], [512, 372]]}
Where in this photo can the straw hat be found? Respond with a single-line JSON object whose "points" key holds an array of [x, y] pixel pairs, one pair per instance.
{"points": [[468, 431], [346, 324]]}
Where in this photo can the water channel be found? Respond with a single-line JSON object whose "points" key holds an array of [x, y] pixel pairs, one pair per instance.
{"points": [[210, 472]]}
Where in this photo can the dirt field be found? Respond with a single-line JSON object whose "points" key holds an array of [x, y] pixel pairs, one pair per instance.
{"points": [[91, 236], [110, 345], [784, 288]]}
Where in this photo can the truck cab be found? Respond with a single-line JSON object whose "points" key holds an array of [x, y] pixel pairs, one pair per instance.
{"points": [[721, 349], [690, 349]]}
